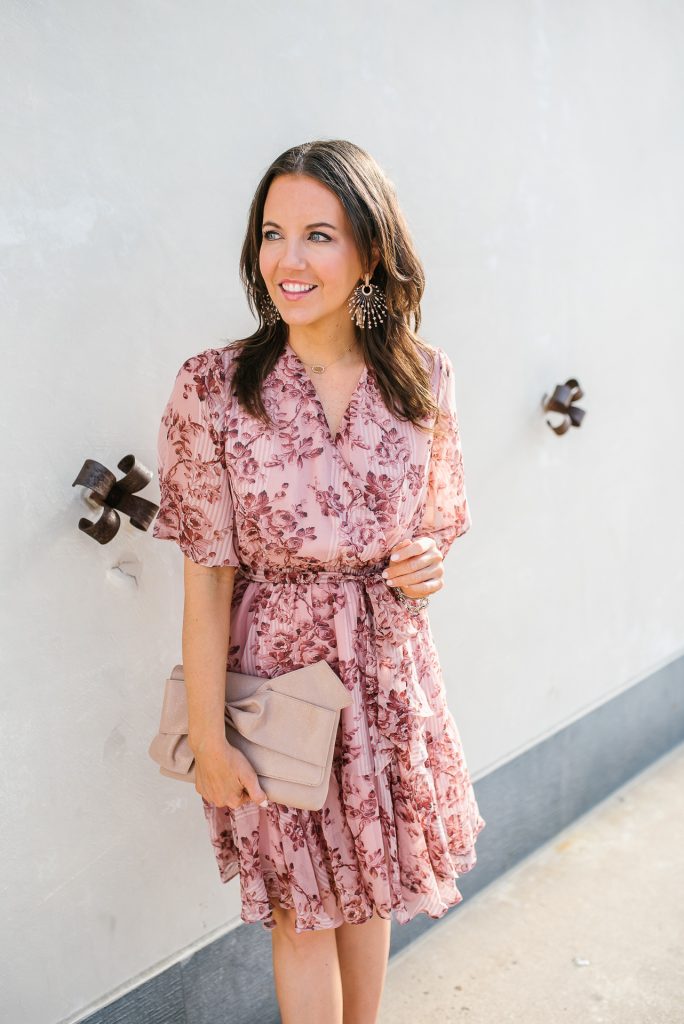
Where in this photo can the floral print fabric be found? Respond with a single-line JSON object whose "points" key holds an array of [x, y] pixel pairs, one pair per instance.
{"points": [[308, 521]]}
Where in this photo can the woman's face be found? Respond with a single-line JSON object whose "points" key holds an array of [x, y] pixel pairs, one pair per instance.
{"points": [[307, 239]]}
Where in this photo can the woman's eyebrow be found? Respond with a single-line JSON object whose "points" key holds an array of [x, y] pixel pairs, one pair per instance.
{"points": [[318, 224]]}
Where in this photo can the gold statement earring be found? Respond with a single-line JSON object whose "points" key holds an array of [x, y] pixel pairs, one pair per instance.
{"points": [[367, 303], [269, 310]]}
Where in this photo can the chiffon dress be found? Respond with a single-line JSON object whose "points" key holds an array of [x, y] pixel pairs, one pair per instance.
{"points": [[308, 520]]}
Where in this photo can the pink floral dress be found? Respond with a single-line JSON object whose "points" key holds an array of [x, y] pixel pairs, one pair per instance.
{"points": [[309, 520]]}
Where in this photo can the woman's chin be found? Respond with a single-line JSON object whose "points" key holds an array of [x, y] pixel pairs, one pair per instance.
{"points": [[300, 318]]}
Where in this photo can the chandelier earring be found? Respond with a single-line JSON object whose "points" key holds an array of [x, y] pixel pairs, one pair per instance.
{"points": [[367, 304], [270, 311]]}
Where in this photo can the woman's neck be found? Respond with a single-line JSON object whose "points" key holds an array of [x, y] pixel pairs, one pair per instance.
{"points": [[316, 344]]}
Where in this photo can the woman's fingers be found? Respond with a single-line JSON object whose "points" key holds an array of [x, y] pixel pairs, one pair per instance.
{"points": [[413, 579], [415, 568], [409, 547], [226, 778], [422, 588]]}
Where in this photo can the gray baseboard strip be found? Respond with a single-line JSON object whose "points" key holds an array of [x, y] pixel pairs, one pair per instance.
{"points": [[525, 803]]}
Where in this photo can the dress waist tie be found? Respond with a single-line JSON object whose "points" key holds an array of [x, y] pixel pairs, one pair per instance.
{"points": [[395, 699]]}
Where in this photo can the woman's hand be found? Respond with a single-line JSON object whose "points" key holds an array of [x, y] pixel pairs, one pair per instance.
{"points": [[224, 776], [416, 568]]}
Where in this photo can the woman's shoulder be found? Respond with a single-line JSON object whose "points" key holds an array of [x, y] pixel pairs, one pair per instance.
{"points": [[206, 375], [216, 359]]}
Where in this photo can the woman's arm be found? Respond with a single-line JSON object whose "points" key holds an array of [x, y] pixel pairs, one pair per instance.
{"points": [[196, 511], [223, 775], [417, 569], [206, 635]]}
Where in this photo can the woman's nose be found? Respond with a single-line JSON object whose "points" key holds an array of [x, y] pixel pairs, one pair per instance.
{"points": [[292, 255]]}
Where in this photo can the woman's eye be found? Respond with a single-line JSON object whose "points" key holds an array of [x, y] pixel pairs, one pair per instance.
{"points": [[321, 234]]}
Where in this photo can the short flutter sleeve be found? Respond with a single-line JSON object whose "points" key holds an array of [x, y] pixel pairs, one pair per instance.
{"points": [[196, 504], [447, 514]]}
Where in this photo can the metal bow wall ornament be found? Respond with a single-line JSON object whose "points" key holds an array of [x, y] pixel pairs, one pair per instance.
{"points": [[561, 401], [112, 495]]}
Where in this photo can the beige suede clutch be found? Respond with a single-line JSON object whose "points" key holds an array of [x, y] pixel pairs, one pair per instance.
{"points": [[285, 727]]}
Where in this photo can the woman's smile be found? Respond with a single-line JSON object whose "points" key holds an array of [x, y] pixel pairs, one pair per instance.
{"points": [[295, 290]]}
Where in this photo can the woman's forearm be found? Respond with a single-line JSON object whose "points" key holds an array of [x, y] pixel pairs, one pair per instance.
{"points": [[206, 635]]}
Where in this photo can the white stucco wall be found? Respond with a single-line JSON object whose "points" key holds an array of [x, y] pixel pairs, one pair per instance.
{"points": [[537, 148]]}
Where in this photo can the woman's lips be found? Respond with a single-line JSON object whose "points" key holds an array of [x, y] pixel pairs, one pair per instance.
{"points": [[295, 296]]}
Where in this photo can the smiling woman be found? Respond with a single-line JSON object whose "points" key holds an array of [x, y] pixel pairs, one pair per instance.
{"points": [[300, 459], [309, 273]]}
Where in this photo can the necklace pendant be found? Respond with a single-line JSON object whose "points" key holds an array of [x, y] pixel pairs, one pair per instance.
{"points": [[317, 367]]}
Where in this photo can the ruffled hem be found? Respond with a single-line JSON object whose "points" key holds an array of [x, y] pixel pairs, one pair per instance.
{"points": [[267, 920], [395, 843]]}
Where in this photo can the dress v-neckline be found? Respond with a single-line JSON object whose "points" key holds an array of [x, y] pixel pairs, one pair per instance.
{"points": [[314, 393]]}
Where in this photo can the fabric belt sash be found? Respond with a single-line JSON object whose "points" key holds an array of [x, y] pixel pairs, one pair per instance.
{"points": [[395, 699]]}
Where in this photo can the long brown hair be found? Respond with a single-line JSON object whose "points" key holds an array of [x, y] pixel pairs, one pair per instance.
{"points": [[393, 348]]}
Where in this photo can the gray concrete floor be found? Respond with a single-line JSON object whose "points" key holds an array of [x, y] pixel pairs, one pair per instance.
{"points": [[589, 928]]}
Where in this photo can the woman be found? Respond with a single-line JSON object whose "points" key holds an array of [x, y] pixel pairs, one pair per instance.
{"points": [[314, 505]]}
